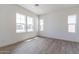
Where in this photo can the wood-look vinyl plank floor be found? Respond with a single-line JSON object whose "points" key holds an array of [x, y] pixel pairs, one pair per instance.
{"points": [[40, 45]]}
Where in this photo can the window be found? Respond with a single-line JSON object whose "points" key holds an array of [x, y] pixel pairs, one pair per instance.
{"points": [[41, 24], [71, 23], [30, 24], [20, 23]]}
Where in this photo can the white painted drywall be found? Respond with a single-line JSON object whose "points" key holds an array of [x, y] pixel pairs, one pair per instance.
{"points": [[8, 33], [55, 25]]}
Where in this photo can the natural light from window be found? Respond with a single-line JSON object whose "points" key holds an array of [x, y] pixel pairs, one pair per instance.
{"points": [[41, 24], [20, 23], [72, 23], [30, 23]]}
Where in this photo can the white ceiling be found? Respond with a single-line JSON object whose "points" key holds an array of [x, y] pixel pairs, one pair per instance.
{"points": [[46, 8]]}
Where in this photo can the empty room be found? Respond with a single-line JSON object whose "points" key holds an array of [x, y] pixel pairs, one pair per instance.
{"points": [[39, 28]]}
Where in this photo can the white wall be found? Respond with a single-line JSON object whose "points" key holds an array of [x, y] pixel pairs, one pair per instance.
{"points": [[56, 25], [8, 33]]}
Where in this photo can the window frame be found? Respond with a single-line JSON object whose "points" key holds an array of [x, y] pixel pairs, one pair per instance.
{"points": [[31, 27], [41, 25], [24, 28], [72, 23]]}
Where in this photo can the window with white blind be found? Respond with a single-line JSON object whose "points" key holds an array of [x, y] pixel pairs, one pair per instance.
{"points": [[72, 23], [30, 23], [20, 23], [41, 24]]}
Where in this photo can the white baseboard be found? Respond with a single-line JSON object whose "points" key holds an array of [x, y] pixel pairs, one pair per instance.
{"points": [[57, 38], [17, 42]]}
